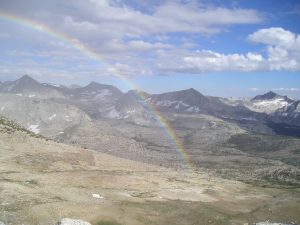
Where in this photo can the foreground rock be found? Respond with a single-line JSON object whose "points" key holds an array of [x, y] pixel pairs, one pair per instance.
{"points": [[67, 221], [269, 223]]}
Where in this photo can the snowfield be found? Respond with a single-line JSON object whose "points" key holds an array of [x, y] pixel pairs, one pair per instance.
{"points": [[34, 128]]}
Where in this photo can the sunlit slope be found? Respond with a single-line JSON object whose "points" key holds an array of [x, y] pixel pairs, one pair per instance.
{"points": [[42, 181]]}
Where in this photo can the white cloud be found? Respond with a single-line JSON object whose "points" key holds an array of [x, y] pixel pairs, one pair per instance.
{"points": [[104, 19], [125, 70], [142, 45], [254, 89], [191, 14], [137, 42], [206, 60], [282, 54], [287, 89], [277, 36], [282, 90]]}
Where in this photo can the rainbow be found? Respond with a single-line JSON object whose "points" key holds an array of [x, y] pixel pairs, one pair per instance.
{"points": [[95, 56]]}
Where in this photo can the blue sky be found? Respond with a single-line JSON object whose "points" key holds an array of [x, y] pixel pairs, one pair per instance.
{"points": [[221, 48]]}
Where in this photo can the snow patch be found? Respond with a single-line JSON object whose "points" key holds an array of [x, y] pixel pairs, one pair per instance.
{"points": [[19, 94], [68, 118], [267, 106], [54, 85], [249, 118], [103, 93], [183, 104], [213, 124], [2, 108], [97, 196], [113, 114], [166, 103], [67, 221], [132, 111], [52, 117], [278, 102], [31, 96], [193, 109], [125, 117], [34, 128]]}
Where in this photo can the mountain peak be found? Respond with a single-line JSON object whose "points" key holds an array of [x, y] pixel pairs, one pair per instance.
{"points": [[191, 91], [271, 93], [26, 82], [26, 78], [267, 96], [188, 97], [96, 85], [92, 83]]}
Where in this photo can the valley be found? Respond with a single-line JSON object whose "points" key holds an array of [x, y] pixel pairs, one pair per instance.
{"points": [[171, 158], [42, 181], [149, 112]]}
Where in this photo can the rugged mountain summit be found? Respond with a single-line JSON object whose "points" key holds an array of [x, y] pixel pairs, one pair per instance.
{"points": [[267, 103], [191, 101], [26, 86], [102, 101], [94, 98], [24, 83], [188, 100], [289, 114], [45, 116], [267, 96], [133, 106]]}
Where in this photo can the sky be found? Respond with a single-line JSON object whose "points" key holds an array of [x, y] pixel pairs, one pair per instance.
{"points": [[222, 48]]}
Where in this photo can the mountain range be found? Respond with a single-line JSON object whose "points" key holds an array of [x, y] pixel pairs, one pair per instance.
{"points": [[106, 101], [215, 132]]}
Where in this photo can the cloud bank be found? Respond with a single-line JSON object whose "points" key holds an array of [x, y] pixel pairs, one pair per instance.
{"points": [[142, 38]]}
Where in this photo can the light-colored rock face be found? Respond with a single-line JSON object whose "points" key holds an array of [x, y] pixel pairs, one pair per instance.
{"points": [[67, 221], [41, 116], [267, 106]]}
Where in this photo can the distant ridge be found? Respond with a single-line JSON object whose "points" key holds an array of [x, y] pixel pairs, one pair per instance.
{"points": [[270, 95]]}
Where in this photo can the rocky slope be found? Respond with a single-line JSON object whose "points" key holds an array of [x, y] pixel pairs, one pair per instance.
{"points": [[127, 125], [269, 102], [42, 182], [42, 116], [26, 86]]}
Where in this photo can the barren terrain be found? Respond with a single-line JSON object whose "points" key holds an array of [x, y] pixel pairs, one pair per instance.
{"points": [[42, 181]]}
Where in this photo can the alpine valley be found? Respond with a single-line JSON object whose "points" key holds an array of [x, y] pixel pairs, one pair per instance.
{"points": [[107, 157]]}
